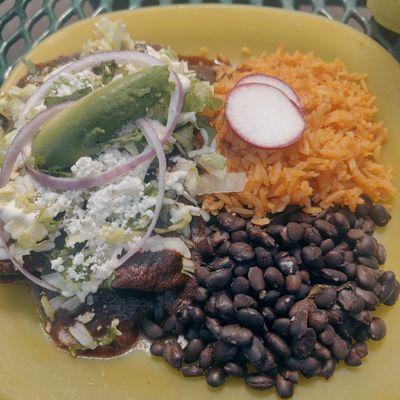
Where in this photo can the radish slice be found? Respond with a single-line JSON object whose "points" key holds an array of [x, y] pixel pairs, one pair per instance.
{"points": [[263, 116], [272, 81]]}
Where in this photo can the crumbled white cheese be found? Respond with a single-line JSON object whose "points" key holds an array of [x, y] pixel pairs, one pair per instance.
{"points": [[57, 264], [86, 317]]}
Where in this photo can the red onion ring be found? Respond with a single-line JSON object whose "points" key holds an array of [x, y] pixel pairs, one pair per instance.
{"points": [[18, 266], [153, 139], [59, 183], [120, 57], [23, 137]]}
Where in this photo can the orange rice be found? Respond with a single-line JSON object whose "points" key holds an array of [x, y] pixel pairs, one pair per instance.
{"points": [[336, 160]]}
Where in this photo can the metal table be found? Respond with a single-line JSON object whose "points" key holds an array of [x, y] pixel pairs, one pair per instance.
{"points": [[24, 23]]}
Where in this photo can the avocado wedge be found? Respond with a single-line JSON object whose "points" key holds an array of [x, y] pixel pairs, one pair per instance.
{"points": [[84, 127]]}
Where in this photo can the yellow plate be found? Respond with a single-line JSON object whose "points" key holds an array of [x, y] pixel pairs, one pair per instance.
{"points": [[32, 368]]}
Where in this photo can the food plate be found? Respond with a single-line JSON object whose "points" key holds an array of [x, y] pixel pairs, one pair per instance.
{"points": [[33, 368]]}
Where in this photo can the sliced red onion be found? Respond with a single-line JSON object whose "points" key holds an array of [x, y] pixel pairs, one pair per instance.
{"points": [[59, 183], [120, 57], [153, 139], [23, 137], [20, 268]]}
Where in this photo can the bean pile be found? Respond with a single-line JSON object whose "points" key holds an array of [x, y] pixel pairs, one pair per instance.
{"points": [[295, 297]]}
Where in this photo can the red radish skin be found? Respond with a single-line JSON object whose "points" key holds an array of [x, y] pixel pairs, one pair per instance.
{"points": [[263, 116], [272, 81]]}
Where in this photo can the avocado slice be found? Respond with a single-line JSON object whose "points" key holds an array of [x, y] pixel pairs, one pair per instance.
{"points": [[83, 128]]}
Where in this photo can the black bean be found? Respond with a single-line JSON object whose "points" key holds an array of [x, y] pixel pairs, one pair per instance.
{"points": [[191, 371], [346, 328], [305, 276], [309, 367], [235, 369], [157, 348], [355, 234], [333, 276], [343, 246], [365, 277], [311, 235], [293, 282], [219, 237], [236, 335], [223, 250], [183, 316], [348, 257], [240, 285], [192, 351], [318, 320], [255, 352], [362, 210], [215, 377], [259, 237], [288, 265], [259, 381], [379, 215], [284, 387], [173, 353], [364, 317], [191, 333], [231, 222], [224, 305], [202, 274], [205, 335], [327, 245], [361, 334], [370, 299], [380, 254], [290, 375], [244, 301], [341, 222], [321, 352], [294, 231], [205, 248], [365, 224], [274, 229], [159, 312], [224, 352], [370, 262], [277, 344], [333, 259], [377, 329], [239, 236], [325, 228], [241, 270], [281, 326], [350, 270], [327, 335], [350, 301], [206, 357], [209, 306], [303, 347], [213, 326], [218, 280], [241, 251], [298, 324], [221, 263], [263, 257], [256, 278], [310, 253], [337, 316], [172, 326], [357, 352], [201, 295], [283, 304], [196, 314], [274, 278], [250, 318], [388, 285], [366, 246], [339, 348], [268, 314], [269, 297], [303, 291], [394, 296], [307, 304], [328, 368], [151, 329]]}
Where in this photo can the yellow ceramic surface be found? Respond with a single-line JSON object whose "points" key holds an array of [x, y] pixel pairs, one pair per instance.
{"points": [[31, 367]]}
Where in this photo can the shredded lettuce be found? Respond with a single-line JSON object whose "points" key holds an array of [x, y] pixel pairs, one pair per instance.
{"points": [[213, 163], [200, 97]]}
